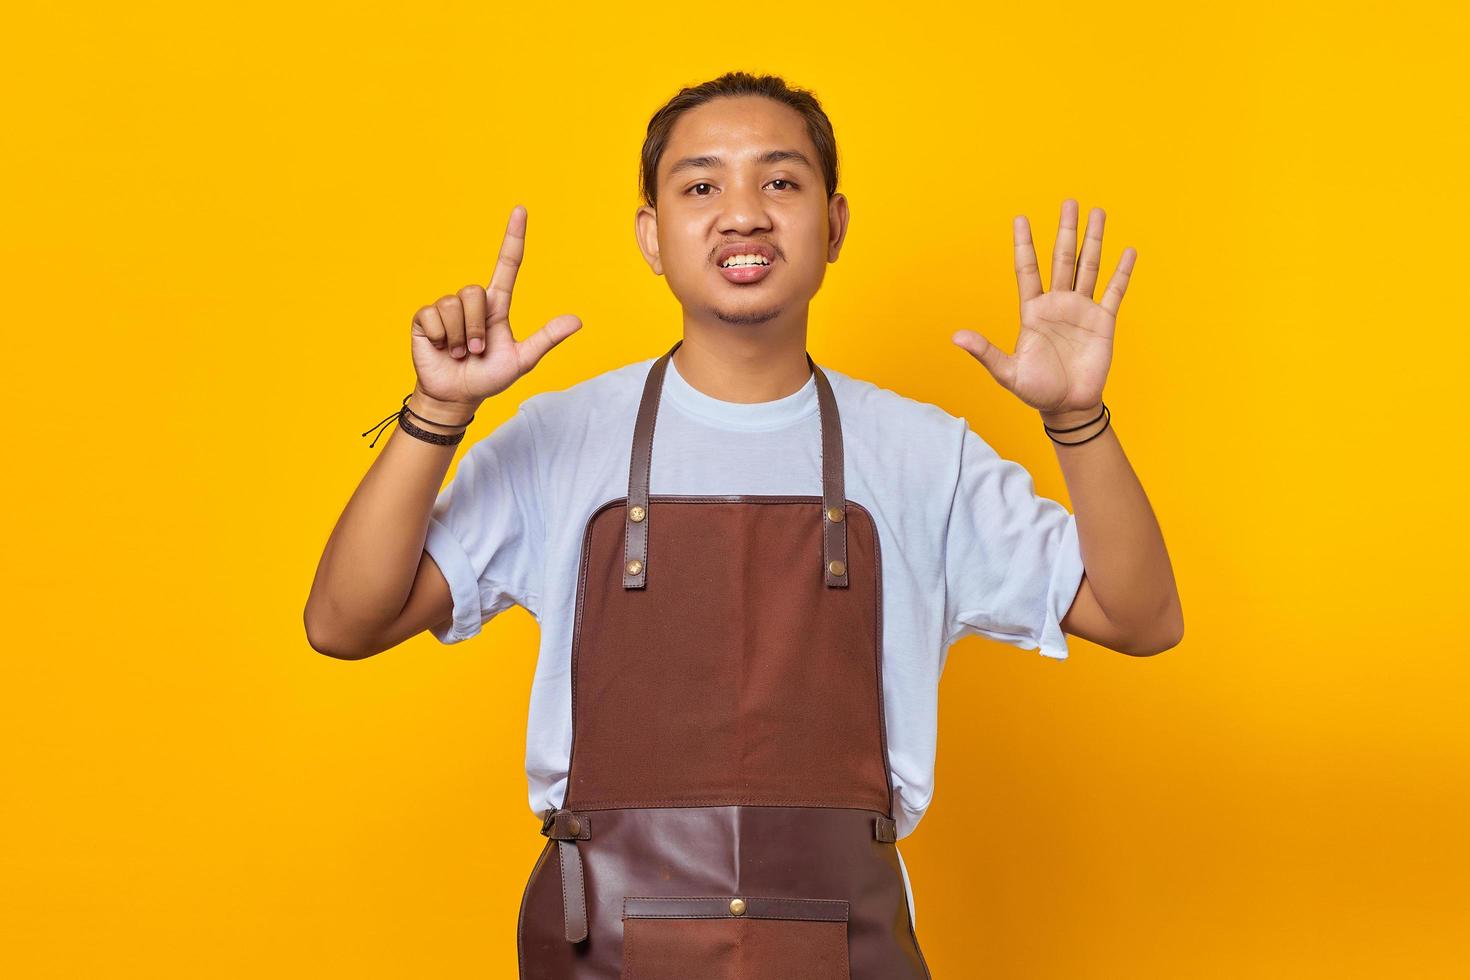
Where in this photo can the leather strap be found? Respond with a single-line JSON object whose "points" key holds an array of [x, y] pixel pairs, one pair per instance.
{"points": [[834, 499], [566, 828], [885, 829]]}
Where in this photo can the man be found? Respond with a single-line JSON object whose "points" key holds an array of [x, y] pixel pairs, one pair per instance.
{"points": [[744, 620]]}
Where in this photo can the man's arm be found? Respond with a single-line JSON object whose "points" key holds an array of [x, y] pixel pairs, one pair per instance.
{"points": [[375, 586], [1128, 600]]}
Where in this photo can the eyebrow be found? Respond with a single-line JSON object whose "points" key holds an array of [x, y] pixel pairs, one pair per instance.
{"points": [[711, 162]]}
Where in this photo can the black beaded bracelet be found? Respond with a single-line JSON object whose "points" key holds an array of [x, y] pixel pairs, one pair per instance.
{"points": [[1105, 413], [437, 438]]}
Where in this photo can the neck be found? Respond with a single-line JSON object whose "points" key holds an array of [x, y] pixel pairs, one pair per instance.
{"points": [[743, 363]]}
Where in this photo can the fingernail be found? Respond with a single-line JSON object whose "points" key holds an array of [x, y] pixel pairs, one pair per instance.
{"points": [[477, 344], [456, 351]]}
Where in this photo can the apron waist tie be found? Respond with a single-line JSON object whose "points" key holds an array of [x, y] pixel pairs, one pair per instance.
{"points": [[885, 829], [566, 828]]}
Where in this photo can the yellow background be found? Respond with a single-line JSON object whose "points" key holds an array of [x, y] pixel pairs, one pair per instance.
{"points": [[219, 221]]}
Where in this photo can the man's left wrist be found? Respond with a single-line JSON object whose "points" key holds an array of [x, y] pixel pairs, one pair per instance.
{"points": [[1072, 417]]}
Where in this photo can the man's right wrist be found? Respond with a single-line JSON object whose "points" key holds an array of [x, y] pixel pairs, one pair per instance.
{"points": [[451, 416]]}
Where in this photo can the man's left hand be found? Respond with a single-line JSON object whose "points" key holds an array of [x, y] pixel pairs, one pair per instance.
{"points": [[1065, 346]]}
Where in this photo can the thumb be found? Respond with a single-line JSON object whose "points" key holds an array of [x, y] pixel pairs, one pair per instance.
{"points": [[1002, 366], [534, 347]]}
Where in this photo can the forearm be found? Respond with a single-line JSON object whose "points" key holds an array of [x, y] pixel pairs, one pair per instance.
{"points": [[1126, 561], [370, 559]]}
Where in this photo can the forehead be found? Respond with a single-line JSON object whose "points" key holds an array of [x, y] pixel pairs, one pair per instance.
{"points": [[735, 129]]}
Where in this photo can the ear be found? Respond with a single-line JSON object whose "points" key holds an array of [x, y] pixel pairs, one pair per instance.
{"points": [[837, 219], [645, 227]]}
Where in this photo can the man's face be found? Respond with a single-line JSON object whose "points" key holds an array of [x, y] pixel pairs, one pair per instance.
{"points": [[728, 181]]}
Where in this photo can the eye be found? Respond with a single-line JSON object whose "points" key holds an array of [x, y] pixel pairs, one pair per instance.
{"points": [[789, 185]]}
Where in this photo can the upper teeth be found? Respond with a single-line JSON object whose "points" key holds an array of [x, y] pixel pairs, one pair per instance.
{"points": [[745, 260]]}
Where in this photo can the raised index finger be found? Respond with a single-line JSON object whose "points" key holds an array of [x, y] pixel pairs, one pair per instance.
{"points": [[512, 248]]}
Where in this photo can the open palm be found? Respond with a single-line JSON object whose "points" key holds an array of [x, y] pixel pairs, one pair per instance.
{"points": [[1065, 346]]}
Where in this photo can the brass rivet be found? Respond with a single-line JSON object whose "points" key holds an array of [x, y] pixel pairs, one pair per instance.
{"points": [[737, 906], [837, 567], [636, 513], [575, 826], [635, 566], [834, 514]]}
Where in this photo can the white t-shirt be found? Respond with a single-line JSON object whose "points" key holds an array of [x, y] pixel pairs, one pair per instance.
{"points": [[967, 546]]}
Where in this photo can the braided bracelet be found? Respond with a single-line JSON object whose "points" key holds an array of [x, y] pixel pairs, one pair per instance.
{"points": [[437, 438]]}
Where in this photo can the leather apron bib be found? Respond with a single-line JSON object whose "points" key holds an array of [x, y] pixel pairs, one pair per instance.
{"points": [[728, 814]]}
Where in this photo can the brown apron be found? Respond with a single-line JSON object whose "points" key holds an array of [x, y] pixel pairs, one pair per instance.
{"points": [[728, 814]]}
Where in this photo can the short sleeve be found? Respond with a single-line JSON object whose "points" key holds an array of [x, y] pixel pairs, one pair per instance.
{"points": [[1012, 560], [487, 532]]}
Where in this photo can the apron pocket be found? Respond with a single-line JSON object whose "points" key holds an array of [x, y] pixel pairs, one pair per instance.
{"points": [[733, 938]]}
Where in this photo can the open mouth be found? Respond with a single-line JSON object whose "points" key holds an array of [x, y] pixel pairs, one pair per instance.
{"points": [[744, 267], [738, 261]]}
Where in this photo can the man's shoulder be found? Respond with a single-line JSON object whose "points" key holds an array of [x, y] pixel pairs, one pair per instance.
{"points": [[888, 413]]}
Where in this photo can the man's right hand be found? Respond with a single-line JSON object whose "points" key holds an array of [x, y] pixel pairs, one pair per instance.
{"points": [[463, 348]]}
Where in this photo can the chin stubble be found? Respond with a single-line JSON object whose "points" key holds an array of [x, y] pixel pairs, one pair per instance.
{"points": [[746, 318]]}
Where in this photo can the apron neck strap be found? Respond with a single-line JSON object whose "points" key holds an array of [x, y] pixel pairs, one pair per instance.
{"points": [[834, 502]]}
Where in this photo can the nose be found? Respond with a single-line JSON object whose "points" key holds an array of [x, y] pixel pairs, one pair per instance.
{"points": [[744, 209]]}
